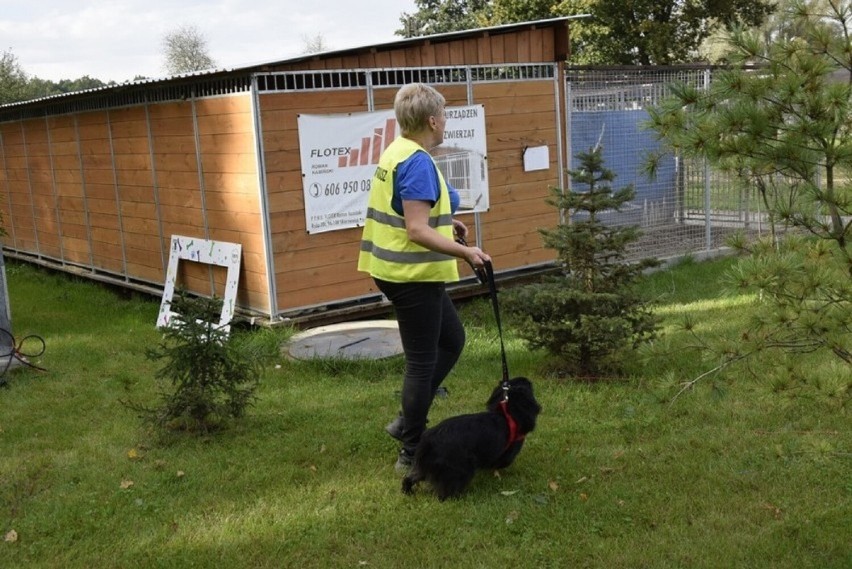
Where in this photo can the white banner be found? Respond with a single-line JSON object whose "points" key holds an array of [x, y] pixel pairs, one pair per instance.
{"points": [[339, 154]]}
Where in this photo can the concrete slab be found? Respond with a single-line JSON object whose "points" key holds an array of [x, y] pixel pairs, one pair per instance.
{"points": [[367, 339]]}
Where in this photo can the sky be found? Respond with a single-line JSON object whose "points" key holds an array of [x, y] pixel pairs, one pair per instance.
{"points": [[117, 40]]}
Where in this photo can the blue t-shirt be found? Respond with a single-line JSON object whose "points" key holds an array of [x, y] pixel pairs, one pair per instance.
{"points": [[417, 179]]}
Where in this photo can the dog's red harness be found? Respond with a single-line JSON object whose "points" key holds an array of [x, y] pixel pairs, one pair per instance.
{"points": [[514, 434]]}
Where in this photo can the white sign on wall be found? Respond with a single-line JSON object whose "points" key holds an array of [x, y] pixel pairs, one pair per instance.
{"points": [[339, 154]]}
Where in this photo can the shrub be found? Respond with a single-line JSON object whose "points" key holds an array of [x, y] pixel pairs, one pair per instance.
{"points": [[589, 313], [210, 378]]}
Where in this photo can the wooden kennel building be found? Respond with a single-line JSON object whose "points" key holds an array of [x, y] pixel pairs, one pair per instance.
{"points": [[97, 182]]}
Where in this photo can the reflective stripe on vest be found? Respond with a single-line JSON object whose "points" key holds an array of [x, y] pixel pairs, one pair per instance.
{"points": [[386, 251]]}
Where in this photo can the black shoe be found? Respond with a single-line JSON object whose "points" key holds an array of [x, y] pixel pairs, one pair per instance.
{"points": [[404, 461], [395, 427]]}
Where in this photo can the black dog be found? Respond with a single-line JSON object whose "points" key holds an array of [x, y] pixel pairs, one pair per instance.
{"points": [[450, 452]]}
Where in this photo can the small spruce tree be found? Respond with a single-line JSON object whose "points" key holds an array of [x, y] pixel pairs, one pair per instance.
{"points": [[209, 377], [589, 314]]}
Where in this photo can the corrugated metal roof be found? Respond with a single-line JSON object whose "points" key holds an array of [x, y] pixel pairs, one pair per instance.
{"points": [[261, 66], [124, 85]]}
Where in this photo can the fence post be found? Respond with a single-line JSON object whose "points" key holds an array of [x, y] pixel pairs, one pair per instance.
{"points": [[708, 238], [6, 341]]}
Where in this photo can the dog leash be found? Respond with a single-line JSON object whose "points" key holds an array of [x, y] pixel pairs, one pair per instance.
{"points": [[515, 435], [514, 431], [492, 287], [485, 275]]}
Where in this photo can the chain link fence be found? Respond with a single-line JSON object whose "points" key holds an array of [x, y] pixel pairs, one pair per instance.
{"points": [[687, 207]]}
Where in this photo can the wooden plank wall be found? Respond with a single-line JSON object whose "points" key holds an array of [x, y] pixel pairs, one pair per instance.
{"points": [[136, 194], [44, 211], [227, 140], [518, 115], [321, 268], [309, 269], [105, 190], [18, 208], [68, 188], [99, 181], [536, 45]]}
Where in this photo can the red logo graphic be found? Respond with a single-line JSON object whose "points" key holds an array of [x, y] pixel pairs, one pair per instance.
{"points": [[371, 147]]}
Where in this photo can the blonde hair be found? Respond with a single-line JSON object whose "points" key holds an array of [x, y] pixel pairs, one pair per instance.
{"points": [[414, 104]]}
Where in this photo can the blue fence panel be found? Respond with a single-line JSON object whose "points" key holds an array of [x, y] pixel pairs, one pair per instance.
{"points": [[626, 145]]}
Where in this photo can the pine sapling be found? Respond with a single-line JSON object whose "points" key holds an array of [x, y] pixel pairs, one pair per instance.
{"points": [[588, 315]]}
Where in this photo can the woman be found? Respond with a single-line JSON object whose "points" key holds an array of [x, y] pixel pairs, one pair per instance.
{"points": [[408, 247]]}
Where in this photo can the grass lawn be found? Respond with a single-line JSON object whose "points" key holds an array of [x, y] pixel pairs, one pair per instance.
{"points": [[741, 471]]}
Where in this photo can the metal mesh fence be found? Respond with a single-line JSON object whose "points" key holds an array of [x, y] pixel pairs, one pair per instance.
{"points": [[687, 207], [324, 80]]}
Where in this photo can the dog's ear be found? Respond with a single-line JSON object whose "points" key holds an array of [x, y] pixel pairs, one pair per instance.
{"points": [[523, 405], [520, 381]]}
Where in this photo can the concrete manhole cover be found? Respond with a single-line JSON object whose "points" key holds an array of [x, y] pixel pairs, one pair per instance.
{"points": [[368, 339]]}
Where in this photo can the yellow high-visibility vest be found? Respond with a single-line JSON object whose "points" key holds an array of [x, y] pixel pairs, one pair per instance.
{"points": [[386, 252]]}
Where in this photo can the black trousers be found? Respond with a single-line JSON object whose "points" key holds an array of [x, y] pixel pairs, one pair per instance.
{"points": [[432, 340]]}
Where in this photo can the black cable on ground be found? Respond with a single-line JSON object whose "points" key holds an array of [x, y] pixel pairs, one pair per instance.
{"points": [[17, 353]]}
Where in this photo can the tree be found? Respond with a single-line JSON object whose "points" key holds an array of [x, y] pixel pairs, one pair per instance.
{"points": [[210, 377], [778, 25], [781, 24], [643, 32], [16, 85], [45, 87], [442, 16], [315, 44], [588, 315], [14, 82], [185, 51], [507, 11], [661, 32], [781, 119]]}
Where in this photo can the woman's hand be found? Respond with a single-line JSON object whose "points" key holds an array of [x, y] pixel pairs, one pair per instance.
{"points": [[473, 255], [459, 229], [476, 257]]}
